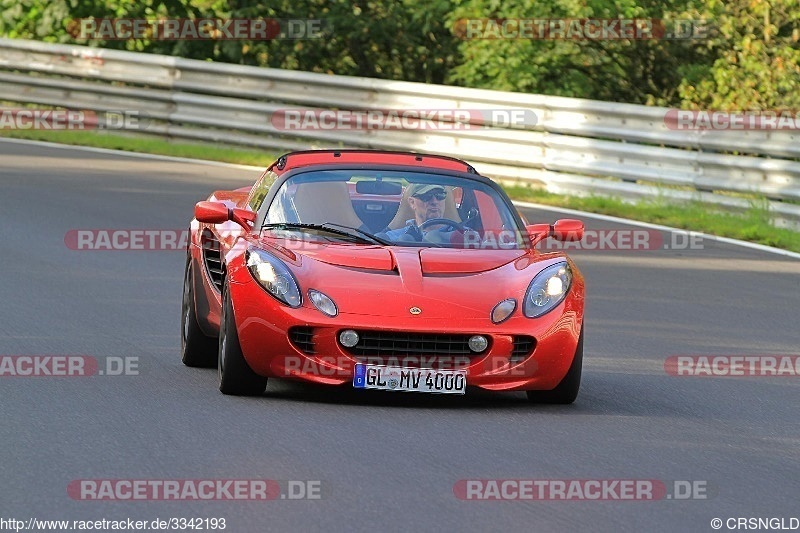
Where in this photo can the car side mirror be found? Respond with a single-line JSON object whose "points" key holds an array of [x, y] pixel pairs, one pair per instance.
{"points": [[217, 213], [567, 229], [211, 212], [538, 232]]}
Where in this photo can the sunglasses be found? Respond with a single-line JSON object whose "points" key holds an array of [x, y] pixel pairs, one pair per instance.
{"points": [[428, 196]]}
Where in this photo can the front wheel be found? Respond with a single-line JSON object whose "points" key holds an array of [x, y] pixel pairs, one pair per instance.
{"points": [[566, 391], [196, 348], [235, 375]]}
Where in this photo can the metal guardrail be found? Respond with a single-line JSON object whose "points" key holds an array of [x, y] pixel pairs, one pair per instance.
{"points": [[574, 146]]}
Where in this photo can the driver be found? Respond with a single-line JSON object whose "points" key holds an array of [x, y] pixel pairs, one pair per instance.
{"points": [[427, 202]]}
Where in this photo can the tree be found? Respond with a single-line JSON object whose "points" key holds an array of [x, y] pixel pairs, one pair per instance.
{"points": [[757, 58], [637, 71]]}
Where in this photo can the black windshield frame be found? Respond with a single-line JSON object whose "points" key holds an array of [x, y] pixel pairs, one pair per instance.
{"points": [[401, 169]]}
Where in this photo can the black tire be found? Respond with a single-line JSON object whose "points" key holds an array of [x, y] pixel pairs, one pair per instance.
{"points": [[566, 391], [197, 349], [235, 375]]}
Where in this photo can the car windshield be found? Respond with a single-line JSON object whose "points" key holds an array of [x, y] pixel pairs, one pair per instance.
{"points": [[394, 208]]}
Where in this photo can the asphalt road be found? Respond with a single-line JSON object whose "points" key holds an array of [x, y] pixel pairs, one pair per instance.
{"points": [[385, 461]]}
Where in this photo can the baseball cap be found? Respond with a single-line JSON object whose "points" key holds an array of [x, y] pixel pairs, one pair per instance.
{"points": [[417, 189]]}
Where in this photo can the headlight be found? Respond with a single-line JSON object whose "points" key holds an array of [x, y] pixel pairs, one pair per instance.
{"points": [[548, 289], [272, 274]]}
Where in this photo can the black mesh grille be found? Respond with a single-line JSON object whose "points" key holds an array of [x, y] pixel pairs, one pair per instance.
{"points": [[212, 257], [523, 346], [303, 338], [396, 343]]}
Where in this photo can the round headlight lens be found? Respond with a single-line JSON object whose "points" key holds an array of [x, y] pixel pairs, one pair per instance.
{"points": [[272, 274], [348, 338], [548, 289]]}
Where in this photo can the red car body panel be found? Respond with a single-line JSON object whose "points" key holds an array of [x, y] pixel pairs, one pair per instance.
{"points": [[374, 287]]}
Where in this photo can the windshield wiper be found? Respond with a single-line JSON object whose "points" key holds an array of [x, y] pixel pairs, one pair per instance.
{"points": [[362, 233], [330, 228]]}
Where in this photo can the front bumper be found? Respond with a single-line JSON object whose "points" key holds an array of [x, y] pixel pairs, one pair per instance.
{"points": [[264, 324]]}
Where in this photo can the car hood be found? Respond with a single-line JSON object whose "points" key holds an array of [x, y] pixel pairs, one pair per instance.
{"points": [[429, 260], [388, 281]]}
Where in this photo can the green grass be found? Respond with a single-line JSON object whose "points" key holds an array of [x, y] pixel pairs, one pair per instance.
{"points": [[753, 225], [149, 145]]}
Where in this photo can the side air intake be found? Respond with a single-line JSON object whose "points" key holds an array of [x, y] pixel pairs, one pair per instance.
{"points": [[212, 258]]}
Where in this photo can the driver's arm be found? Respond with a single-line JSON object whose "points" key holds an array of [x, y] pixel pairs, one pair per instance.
{"points": [[409, 232]]}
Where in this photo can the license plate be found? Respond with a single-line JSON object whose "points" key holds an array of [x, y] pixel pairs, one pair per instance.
{"points": [[409, 379]]}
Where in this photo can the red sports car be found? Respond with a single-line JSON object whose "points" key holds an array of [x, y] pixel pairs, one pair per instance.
{"points": [[384, 270]]}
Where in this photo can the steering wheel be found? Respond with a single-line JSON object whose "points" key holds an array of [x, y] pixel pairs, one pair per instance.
{"points": [[444, 222]]}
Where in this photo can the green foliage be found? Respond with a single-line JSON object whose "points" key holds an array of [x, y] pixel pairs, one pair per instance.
{"points": [[636, 71], [393, 39], [756, 57], [55, 20], [750, 61], [376, 38]]}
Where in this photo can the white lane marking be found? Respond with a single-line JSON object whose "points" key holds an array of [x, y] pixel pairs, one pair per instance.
{"points": [[607, 218]]}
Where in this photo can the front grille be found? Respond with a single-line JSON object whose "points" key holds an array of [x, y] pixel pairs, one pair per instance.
{"points": [[212, 257], [303, 339], [523, 346], [396, 343]]}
